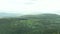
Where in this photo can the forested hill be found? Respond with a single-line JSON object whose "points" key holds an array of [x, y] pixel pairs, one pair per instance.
{"points": [[40, 16], [31, 24]]}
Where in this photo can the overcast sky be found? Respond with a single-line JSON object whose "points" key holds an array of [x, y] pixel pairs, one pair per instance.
{"points": [[30, 6]]}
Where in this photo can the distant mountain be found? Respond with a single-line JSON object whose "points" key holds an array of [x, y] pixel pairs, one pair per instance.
{"points": [[9, 15], [40, 16]]}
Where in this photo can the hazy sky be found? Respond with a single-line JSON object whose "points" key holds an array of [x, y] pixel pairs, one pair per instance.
{"points": [[30, 6]]}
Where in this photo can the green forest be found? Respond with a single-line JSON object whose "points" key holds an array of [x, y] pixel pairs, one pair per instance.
{"points": [[31, 24]]}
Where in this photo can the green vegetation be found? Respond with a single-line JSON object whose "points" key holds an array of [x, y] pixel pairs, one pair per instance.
{"points": [[31, 24]]}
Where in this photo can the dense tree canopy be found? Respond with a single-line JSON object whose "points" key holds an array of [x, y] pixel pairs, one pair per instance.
{"points": [[31, 24]]}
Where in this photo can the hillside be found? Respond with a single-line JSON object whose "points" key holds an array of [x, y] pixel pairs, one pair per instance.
{"points": [[31, 24]]}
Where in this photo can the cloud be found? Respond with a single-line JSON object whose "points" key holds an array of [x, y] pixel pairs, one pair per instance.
{"points": [[30, 6]]}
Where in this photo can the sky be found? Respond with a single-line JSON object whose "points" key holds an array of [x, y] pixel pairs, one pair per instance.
{"points": [[30, 6]]}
